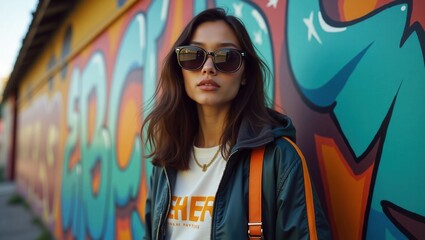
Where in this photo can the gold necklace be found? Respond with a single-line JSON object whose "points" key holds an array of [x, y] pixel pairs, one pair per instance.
{"points": [[204, 167]]}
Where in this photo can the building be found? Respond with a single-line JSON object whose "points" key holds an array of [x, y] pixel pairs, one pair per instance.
{"points": [[350, 76]]}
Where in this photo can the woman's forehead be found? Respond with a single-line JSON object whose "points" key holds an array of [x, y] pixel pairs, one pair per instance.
{"points": [[216, 33]]}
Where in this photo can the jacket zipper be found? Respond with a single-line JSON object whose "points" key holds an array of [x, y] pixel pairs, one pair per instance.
{"points": [[168, 208]]}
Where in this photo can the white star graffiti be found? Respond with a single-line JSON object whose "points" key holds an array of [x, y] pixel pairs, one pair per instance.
{"points": [[238, 9], [258, 37], [272, 3], [311, 29]]}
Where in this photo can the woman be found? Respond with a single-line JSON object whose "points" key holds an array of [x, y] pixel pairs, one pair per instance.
{"points": [[211, 112]]}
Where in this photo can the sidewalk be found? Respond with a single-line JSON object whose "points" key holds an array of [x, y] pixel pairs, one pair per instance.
{"points": [[16, 222]]}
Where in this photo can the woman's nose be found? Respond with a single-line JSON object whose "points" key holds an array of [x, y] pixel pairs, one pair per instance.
{"points": [[209, 67]]}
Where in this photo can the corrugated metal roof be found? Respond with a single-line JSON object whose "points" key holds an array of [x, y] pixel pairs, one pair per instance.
{"points": [[46, 19]]}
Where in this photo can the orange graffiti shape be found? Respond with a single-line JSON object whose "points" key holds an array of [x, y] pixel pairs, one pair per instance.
{"points": [[91, 117], [75, 155], [346, 192], [123, 228], [143, 194], [95, 178], [353, 9], [128, 124]]}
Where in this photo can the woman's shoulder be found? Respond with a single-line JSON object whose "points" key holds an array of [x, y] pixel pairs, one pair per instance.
{"points": [[284, 152], [285, 143]]}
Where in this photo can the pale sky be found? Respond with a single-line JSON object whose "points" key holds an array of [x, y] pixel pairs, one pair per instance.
{"points": [[15, 18]]}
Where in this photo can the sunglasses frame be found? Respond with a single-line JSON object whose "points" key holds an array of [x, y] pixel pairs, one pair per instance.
{"points": [[212, 54]]}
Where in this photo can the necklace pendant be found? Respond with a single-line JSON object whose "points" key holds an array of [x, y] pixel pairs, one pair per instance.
{"points": [[204, 167]]}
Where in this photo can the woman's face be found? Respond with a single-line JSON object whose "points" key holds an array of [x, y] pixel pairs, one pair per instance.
{"points": [[207, 86]]}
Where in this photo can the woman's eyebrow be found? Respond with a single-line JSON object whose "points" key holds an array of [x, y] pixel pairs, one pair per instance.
{"points": [[229, 44]]}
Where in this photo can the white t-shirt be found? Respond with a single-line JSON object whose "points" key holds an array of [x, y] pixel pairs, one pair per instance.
{"points": [[193, 198]]}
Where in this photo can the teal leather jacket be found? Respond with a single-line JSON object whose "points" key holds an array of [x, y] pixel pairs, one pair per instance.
{"points": [[287, 211]]}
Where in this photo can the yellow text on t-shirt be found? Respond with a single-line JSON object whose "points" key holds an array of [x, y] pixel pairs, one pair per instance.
{"points": [[192, 208]]}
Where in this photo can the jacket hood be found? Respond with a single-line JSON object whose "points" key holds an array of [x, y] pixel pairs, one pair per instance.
{"points": [[254, 136]]}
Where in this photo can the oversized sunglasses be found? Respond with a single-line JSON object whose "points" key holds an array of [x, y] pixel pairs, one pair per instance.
{"points": [[225, 60]]}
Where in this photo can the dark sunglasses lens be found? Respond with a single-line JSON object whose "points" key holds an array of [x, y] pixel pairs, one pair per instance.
{"points": [[227, 60], [191, 58]]}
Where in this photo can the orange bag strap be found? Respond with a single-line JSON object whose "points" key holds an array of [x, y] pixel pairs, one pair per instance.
{"points": [[255, 228]]}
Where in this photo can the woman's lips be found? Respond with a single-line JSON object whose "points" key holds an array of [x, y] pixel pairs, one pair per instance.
{"points": [[208, 85]]}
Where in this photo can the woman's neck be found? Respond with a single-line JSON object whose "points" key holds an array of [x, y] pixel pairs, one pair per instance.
{"points": [[211, 126]]}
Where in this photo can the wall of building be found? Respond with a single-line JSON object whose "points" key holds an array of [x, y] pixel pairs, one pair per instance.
{"points": [[351, 76], [7, 138]]}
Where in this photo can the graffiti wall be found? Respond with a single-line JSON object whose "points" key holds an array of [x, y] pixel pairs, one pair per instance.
{"points": [[351, 75]]}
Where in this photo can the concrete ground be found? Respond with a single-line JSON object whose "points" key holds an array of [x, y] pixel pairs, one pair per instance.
{"points": [[16, 221]]}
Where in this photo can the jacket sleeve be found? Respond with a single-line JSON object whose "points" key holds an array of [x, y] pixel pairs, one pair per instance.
{"points": [[299, 215]]}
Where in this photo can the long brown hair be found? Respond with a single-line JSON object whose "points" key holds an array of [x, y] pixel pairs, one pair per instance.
{"points": [[173, 122]]}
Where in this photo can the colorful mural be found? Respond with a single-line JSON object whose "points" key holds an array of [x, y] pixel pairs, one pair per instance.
{"points": [[352, 79], [363, 75]]}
